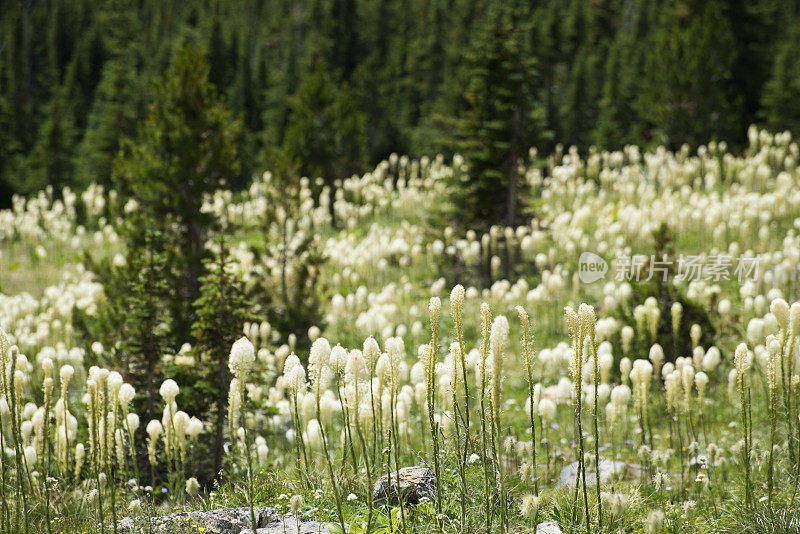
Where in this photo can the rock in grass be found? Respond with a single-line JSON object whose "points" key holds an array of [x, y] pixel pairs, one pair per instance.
{"points": [[291, 525], [548, 527], [609, 469], [414, 484], [221, 521]]}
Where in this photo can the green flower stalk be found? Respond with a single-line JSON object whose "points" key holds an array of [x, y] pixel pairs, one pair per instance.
{"points": [[395, 350], [455, 358], [486, 322], [319, 375], [47, 390], [741, 361], [457, 311], [528, 358], [355, 373], [434, 311], [295, 376], [589, 319], [498, 340], [240, 361], [773, 360], [5, 514], [578, 332]]}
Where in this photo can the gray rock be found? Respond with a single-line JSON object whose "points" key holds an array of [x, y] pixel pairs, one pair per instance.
{"points": [[221, 521], [548, 527], [414, 483], [608, 469], [292, 525]]}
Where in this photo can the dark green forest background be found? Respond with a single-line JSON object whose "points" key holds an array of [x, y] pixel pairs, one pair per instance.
{"points": [[334, 86]]}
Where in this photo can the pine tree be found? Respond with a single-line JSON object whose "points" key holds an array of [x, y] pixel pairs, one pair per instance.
{"points": [[51, 161], [221, 311], [688, 95], [117, 100], [781, 103], [500, 121], [144, 318], [185, 150], [325, 136], [618, 120]]}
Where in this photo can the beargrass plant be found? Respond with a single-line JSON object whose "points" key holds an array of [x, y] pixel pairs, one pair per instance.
{"points": [[498, 341], [356, 371], [5, 411], [459, 411], [488, 475], [395, 350], [590, 319], [577, 329], [320, 376], [240, 361], [528, 358], [774, 356], [434, 312], [94, 387], [742, 364], [295, 376]]}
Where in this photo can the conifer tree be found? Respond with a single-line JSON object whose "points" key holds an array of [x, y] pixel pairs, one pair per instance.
{"points": [[51, 162], [325, 136], [781, 102], [221, 311], [500, 120], [115, 108], [688, 95], [145, 322], [185, 151]]}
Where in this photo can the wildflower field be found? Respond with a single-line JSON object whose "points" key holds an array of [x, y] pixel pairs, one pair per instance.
{"points": [[625, 361]]}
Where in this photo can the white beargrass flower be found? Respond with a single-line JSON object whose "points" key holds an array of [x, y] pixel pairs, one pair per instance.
{"points": [[547, 410], [695, 332], [701, 381], [80, 452], [676, 311], [498, 340], [168, 391], [372, 352], [794, 319], [640, 375], [338, 358], [625, 369], [457, 302], [242, 357], [656, 356], [314, 435], [741, 360], [780, 309], [626, 334], [154, 430]]}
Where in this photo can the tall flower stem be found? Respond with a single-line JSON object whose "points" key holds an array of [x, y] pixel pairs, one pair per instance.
{"points": [[246, 452], [47, 450], [434, 309], [528, 360], [740, 360], [365, 452], [108, 467], [595, 378], [486, 321], [336, 496], [300, 442]]}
